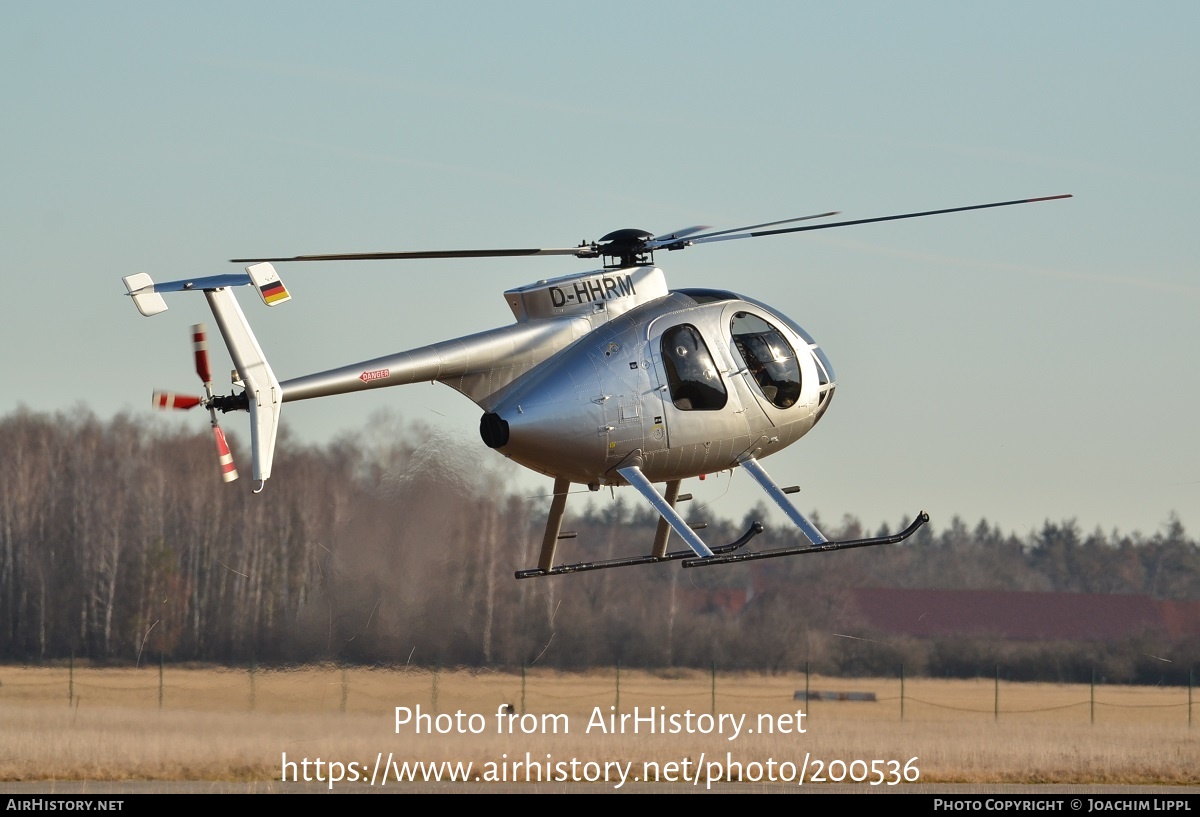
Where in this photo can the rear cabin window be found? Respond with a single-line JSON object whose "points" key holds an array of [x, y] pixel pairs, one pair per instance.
{"points": [[691, 372]]}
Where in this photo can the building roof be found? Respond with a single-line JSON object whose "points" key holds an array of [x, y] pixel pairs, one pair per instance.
{"points": [[1023, 615]]}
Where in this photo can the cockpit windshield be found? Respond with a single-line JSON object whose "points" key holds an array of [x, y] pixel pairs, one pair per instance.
{"points": [[769, 357]]}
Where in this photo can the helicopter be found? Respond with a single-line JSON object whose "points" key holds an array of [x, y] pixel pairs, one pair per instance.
{"points": [[606, 378]]}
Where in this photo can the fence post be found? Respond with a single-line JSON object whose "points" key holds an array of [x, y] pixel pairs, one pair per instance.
{"points": [[996, 697], [345, 689], [618, 704], [902, 693], [1093, 697], [713, 706], [522, 686], [434, 692], [160, 681], [807, 696]]}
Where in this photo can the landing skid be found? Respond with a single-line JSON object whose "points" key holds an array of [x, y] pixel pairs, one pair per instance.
{"points": [[754, 530], [825, 547], [700, 554]]}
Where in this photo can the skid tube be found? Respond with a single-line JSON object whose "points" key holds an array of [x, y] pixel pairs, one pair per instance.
{"points": [[722, 551], [729, 558]]}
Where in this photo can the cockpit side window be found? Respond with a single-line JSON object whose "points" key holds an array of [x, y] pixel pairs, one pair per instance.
{"points": [[691, 372], [769, 357]]}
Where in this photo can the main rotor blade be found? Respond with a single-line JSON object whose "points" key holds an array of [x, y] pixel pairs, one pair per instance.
{"points": [[677, 240], [675, 235], [588, 251], [761, 233], [765, 224]]}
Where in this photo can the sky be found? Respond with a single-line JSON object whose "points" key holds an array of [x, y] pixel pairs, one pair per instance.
{"points": [[1020, 365]]}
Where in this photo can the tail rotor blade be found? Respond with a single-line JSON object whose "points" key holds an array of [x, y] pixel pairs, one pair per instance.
{"points": [[224, 456], [171, 400], [200, 347]]}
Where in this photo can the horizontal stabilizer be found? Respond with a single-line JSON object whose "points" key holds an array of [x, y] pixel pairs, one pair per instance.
{"points": [[141, 289]]}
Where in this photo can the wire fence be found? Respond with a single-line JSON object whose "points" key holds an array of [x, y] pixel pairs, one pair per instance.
{"points": [[345, 689]]}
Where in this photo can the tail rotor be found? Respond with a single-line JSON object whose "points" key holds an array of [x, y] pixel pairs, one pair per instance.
{"points": [[179, 402], [183, 402], [200, 347], [224, 457]]}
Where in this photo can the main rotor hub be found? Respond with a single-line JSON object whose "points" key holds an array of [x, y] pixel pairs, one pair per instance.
{"points": [[626, 248]]}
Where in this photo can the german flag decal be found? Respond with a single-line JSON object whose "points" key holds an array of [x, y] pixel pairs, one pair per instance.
{"points": [[266, 281], [274, 293]]}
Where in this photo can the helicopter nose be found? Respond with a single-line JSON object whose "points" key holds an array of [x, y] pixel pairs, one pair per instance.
{"points": [[494, 430]]}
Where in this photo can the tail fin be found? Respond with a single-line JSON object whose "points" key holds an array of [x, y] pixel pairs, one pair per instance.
{"points": [[263, 393]]}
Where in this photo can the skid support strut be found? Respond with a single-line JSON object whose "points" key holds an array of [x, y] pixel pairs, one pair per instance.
{"points": [[663, 532], [671, 520], [558, 507], [699, 554]]}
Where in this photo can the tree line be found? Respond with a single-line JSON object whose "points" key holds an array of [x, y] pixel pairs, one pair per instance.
{"points": [[118, 543]]}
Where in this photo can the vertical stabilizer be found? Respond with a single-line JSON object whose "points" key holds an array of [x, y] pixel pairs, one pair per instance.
{"points": [[262, 388]]}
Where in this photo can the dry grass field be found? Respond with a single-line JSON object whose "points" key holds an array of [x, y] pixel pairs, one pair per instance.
{"points": [[216, 724]]}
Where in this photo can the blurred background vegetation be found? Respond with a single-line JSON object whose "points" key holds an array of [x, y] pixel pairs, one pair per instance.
{"points": [[119, 543]]}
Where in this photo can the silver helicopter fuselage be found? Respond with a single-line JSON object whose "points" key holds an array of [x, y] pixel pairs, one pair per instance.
{"points": [[607, 365], [606, 378]]}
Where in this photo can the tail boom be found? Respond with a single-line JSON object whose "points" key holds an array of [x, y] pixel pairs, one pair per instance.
{"points": [[477, 365]]}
